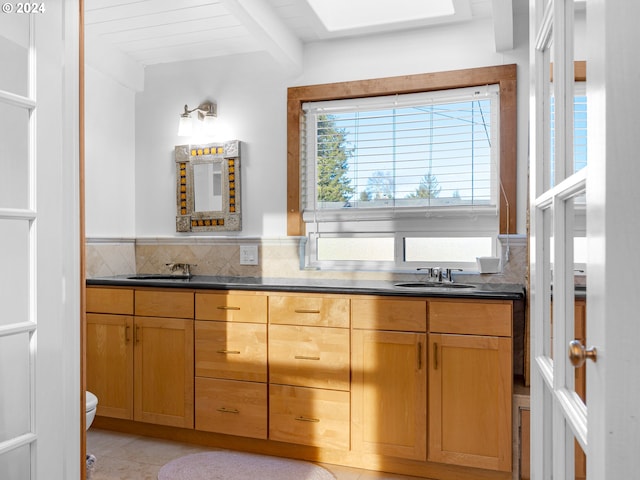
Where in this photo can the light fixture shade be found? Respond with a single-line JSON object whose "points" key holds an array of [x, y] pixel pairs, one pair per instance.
{"points": [[208, 127], [185, 127]]}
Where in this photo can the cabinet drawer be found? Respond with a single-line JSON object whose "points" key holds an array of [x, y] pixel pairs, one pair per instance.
{"points": [[236, 351], [110, 300], [309, 356], [309, 310], [471, 317], [231, 307], [231, 407], [164, 303], [309, 416], [385, 314]]}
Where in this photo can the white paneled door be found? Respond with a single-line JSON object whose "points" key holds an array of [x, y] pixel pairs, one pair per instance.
{"points": [[585, 219], [39, 242]]}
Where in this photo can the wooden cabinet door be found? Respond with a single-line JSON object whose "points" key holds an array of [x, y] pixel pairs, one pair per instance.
{"points": [[470, 386], [389, 382], [109, 356], [164, 371]]}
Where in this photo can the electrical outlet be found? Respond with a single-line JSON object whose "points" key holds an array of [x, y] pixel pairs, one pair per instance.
{"points": [[248, 255]]}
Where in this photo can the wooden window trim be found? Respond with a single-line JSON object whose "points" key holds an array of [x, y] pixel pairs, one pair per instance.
{"points": [[503, 75]]}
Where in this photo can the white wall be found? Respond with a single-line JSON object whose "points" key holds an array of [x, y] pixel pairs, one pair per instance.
{"points": [[110, 156], [251, 90]]}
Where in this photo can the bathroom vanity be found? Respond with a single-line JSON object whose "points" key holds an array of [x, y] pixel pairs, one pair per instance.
{"points": [[364, 374]]}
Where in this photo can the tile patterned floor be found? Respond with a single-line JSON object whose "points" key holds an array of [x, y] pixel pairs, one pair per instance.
{"points": [[120, 456]]}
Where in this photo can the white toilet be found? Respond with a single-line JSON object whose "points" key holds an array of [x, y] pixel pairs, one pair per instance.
{"points": [[92, 404]]}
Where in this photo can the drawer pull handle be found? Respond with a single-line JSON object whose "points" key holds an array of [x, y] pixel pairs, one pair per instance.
{"points": [[303, 357], [304, 310], [224, 307], [307, 419], [136, 334], [126, 334], [228, 410], [435, 356], [229, 352]]}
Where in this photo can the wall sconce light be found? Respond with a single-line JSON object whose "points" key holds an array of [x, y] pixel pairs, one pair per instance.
{"points": [[207, 113]]}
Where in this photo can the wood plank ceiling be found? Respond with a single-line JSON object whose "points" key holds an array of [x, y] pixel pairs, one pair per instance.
{"points": [[161, 31]]}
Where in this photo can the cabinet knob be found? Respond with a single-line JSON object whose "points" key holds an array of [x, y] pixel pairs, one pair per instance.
{"points": [[578, 353]]}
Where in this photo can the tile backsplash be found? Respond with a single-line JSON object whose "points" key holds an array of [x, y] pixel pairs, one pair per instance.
{"points": [[278, 257], [109, 257]]}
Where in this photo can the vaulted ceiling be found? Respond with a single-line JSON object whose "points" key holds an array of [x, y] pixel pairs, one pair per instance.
{"points": [[162, 31]]}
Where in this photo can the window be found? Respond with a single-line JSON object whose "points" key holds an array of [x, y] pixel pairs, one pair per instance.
{"points": [[579, 161], [405, 151], [398, 172]]}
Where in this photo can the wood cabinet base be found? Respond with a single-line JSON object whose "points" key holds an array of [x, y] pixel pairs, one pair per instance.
{"points": [[346, 458]]}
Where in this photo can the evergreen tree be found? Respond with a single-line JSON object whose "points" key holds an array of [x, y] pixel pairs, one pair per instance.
{"points": [[428, 188], [365, 196], [333, 162]]}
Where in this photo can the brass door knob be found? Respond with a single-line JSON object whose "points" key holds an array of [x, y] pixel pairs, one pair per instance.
{"points": [[578, 354]]}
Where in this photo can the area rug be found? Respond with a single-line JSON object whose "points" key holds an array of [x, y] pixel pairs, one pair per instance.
{"points": [[228, 465]]}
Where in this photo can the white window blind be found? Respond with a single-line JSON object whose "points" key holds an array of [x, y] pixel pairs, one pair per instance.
{"points": [[579, 130], [400, 156], [580, 127]]}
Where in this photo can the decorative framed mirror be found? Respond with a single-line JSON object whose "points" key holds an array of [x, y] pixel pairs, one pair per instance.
{"points": [[208, 187]]}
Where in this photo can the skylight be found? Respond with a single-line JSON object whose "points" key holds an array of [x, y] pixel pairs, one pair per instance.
{"points": [[340, 15]]}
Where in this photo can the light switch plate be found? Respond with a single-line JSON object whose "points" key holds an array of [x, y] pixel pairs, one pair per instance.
{"points": [[248, 255]]}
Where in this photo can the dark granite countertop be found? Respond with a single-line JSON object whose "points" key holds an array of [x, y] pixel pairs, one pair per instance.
{"points": [[501, 291]]}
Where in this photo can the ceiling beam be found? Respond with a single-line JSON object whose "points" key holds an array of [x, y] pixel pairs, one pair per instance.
{"points": [[503, 24], [269, 30], [113, 63]]}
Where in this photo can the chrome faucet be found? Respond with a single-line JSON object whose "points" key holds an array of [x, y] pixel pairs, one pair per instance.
{"points": [[182, 268], [448, 273], [439, 273]]}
